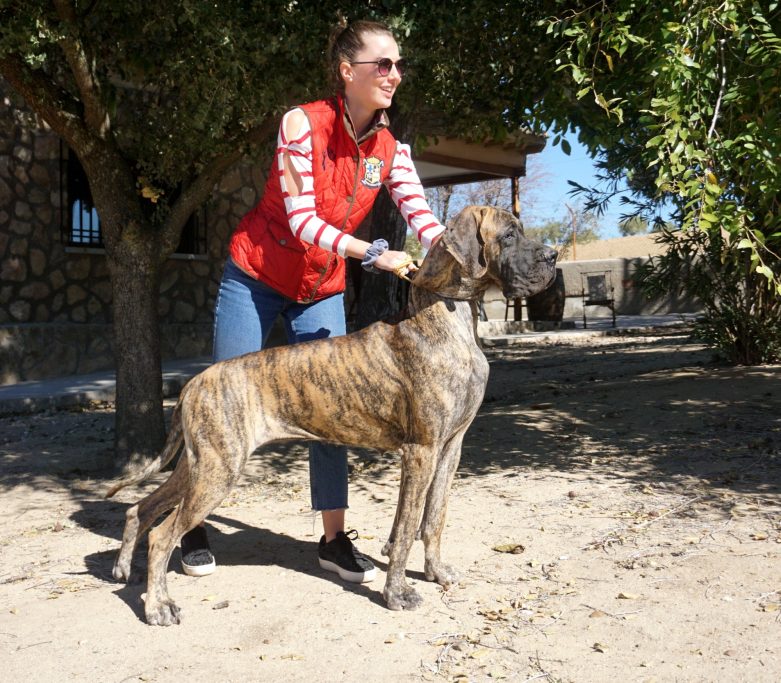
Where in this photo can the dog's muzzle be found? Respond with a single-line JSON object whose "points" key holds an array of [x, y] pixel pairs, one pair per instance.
{"points": [[537, 275]]}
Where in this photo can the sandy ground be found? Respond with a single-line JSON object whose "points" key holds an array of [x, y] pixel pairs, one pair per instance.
{"points": [[636, 482]]}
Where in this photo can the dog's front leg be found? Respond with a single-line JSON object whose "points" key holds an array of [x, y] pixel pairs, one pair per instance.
{"points": [[433, 522], [417, 465]]}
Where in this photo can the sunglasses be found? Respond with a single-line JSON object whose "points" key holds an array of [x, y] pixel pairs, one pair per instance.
{"points": [[385, 65]]}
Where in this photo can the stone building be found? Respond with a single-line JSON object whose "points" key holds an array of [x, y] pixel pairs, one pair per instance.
{"points": [[55, 294]]}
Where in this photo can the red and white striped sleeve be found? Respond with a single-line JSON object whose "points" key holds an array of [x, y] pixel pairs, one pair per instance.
{"points": [[300, 205], [407, 193]]}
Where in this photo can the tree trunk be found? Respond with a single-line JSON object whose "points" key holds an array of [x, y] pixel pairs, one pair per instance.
{"points": [[139, 428], [380, 295]]}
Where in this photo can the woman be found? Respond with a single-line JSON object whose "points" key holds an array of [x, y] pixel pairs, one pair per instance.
{"points": [[287, 254]]}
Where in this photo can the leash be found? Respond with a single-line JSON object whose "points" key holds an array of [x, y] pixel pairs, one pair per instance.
{"points": [[400, 270]]}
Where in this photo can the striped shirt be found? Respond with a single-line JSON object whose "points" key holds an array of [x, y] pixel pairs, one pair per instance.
{"points": [[403, 183]]}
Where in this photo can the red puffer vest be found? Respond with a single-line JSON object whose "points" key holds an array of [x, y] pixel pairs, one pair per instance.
{"points": [[346, 183]]}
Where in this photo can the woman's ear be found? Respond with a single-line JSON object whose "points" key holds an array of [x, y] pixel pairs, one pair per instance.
{"points": [[346, 71]]}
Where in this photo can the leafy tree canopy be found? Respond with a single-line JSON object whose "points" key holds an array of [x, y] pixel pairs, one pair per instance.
{"points": [[691, 91], [580, 227]]}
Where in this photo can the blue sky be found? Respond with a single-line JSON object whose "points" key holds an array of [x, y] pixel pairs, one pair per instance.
{"points": [[551, 190]]}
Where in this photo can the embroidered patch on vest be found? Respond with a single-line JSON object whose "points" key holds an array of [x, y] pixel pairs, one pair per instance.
{"points": [[371, 171]]}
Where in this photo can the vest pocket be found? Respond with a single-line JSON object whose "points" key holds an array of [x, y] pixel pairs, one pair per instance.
{"points": [[285, 239]]}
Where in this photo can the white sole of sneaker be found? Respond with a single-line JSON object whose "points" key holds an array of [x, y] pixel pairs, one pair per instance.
{"points": [[199, 569], [346, 575]]}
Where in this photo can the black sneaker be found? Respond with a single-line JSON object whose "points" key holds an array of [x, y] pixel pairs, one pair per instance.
{"points": [[197, 558], [341, 556]]}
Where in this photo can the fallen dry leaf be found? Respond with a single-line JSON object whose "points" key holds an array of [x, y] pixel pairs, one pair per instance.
{"points": [[511, 548], [627, 596]]}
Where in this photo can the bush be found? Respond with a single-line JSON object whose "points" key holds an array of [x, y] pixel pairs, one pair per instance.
{"points": [[742, 313]]}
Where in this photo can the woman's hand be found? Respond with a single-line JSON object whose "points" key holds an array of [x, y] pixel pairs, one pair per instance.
{"points": [[393, 260]]}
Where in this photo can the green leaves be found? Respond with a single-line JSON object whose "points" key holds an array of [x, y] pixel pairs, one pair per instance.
{"points": [[693, 110]]}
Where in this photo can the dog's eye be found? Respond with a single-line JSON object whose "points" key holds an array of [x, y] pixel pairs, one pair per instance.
{"points": [[508, 236]]}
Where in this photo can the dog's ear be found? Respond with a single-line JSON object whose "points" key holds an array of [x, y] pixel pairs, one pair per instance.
{"points": [[464, 241]]}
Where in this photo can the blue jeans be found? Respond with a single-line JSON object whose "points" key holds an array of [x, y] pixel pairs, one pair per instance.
{"points": [[245, 312]]}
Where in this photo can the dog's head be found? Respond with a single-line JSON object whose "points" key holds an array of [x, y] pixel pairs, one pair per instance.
{"points": [[484, 245]]}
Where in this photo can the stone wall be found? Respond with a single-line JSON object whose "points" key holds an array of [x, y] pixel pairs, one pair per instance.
{"points": [[629, 300], [55, 300]]}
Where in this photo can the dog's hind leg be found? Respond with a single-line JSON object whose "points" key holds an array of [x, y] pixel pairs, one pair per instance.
{"points": [[142, 515], [417, 465], [433, 522], [205, 489]]}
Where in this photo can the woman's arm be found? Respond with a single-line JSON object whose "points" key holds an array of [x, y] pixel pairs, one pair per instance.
{"points": [[294, 164], [407, 193]]}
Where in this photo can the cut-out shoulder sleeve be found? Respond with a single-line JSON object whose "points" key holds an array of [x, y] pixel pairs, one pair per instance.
{"points": [[294, 165], [407, 193]]}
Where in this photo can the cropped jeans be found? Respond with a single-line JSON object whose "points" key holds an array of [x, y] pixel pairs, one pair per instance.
{"points": [[245, 312]]}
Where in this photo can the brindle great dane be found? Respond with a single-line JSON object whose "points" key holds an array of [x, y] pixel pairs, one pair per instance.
{"points": [[414, 385]]}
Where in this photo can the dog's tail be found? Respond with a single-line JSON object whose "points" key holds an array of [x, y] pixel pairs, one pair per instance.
{"points": [[172, 445]]}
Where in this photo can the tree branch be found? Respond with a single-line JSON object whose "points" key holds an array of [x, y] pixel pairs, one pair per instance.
{"points": [[51, 103], [200, 189], [722, 88], [95, 114]]}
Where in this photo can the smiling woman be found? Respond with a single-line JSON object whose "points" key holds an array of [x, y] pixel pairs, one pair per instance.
{"points": [[287, 255]]}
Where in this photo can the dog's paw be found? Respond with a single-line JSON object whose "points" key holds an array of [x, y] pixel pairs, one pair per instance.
{"points": [[404, 597], [441, 573], [164, 613], [121, 571]]}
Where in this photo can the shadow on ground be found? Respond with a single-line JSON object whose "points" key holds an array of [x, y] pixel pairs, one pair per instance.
{"points": [[239, 544], [644, 407]]}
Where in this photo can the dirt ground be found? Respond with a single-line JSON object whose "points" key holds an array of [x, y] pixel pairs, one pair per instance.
{"points": [[616, 517]]}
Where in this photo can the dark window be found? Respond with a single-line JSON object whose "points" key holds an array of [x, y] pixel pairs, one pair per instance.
{"points": [[80, 223], [193, 239]]}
